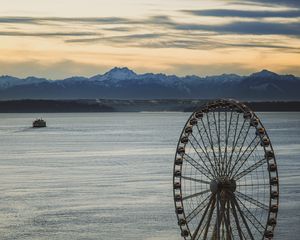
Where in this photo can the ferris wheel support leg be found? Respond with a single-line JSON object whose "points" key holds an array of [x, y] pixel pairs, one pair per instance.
{"points": [[226, 219], [219, 217], [229, 233]]}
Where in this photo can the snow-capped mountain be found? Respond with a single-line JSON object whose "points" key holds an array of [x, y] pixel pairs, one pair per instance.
{"points": [[8, 81], [123, 83], [116, 74]]}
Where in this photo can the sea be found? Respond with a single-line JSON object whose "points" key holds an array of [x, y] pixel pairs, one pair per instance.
{"points": [[109, 175]]}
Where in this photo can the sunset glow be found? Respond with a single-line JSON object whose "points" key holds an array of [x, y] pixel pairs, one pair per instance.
{"points": [[60, 38]]}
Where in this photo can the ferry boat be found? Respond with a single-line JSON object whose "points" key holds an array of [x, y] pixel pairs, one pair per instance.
{"points": [[39, 123]]}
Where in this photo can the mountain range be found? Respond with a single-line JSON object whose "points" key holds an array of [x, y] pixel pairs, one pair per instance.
{"points": [[123, 83]]}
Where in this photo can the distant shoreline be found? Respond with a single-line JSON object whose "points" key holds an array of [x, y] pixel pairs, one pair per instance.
{"points": [[115, 105]]}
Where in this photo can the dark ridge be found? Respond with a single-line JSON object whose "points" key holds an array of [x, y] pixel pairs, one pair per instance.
{"points": [[25, 106], [276, 106], [110, 105]]}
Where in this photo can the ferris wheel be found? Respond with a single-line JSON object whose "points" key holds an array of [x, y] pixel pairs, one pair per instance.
{"points": [[225, 179]]}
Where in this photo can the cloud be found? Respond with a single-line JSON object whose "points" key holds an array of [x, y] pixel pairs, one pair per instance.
{"points": [[46, 34], [250, 28], [244, 13], [155, 40], [136, 36], [193, 41], [292, 3], [159, 20], [155, 20], [47, 20], [117, 39], [162, 31], [165, 24], [265, 45], [179, 43], [21, 20], [118, 29]]}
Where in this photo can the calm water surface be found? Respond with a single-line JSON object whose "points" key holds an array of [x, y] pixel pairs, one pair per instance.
{"points": [[109, 175]]}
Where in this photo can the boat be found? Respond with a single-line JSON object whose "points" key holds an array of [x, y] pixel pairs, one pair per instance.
{"points": [[39, 123]]}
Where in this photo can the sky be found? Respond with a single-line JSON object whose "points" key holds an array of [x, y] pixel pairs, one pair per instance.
{"points": [[61, 38]]}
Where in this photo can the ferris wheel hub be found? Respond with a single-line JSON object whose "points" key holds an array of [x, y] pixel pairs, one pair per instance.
{"points": [[223, 184]]}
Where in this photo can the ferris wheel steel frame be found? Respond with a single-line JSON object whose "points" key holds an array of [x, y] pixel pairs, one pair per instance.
{"points": [[225, 176]]}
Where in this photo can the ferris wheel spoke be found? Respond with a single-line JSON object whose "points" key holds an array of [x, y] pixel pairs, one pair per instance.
{"points": [[236, 145], [243, 142], [238, 158], [217, 167], [252, 200], [253, 142], [221, 141], [197, 166], [250, 169], [237, 222], [197, 210], [195, 194], [226, 141], [228, 165], [214, 231], [203, 217], [238, 136], [206, 151], [207, 168], [211, 211], [218, 132], [242, 216], [206, 134], [232, 173], [210, 142], [202, 230], [222, 155], [249, 215], [195, 179], [200, 233], [222, 158], [238, 155], [203, 142]]}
